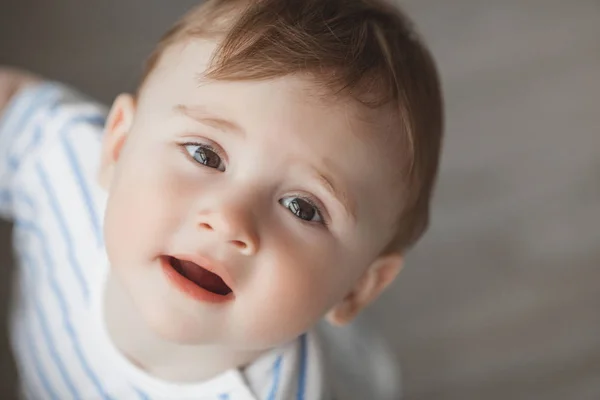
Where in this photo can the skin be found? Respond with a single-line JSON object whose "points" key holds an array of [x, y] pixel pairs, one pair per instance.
{"points": [[13, 80], [288, 273]]}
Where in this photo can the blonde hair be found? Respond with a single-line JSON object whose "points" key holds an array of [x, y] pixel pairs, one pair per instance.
{"points": [[366, 49]]}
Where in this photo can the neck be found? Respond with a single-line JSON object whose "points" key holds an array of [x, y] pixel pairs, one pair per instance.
{"points": [[160, 358]]}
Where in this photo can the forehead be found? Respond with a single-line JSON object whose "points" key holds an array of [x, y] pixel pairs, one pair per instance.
{"points": [[360, 146], [191, 58]]}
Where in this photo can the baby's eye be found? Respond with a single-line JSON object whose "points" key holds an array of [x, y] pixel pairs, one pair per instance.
{"points": [[302, 208], [205, 155]]}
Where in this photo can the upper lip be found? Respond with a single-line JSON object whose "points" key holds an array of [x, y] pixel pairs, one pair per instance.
{"points": [[209, 264]]}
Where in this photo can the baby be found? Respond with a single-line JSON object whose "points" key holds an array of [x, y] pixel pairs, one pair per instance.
{"points": [[271, 171]]}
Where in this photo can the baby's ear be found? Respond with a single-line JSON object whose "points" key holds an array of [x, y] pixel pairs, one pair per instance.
{"points": [[372, 283], [118, 125]]}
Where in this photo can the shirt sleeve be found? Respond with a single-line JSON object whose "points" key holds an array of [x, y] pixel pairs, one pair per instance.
{"points": [[34, 116]]}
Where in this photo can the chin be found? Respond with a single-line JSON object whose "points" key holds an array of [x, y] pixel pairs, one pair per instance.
{"points": [[171, 326]]}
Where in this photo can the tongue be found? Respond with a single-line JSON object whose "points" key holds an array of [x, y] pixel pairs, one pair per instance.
{"points": [[203, 278]]}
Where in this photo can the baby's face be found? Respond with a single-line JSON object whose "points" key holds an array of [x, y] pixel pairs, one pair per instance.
{"points": [[285, 196]]}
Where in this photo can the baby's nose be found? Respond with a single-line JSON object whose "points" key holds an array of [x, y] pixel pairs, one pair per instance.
{"points": [[232, 226]]}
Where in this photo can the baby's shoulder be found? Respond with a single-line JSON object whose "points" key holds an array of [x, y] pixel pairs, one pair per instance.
{"points": [[45, 114]]}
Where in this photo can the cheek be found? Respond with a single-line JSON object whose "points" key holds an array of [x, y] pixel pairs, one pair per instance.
{"points": [[137, 212], [293, 289]]}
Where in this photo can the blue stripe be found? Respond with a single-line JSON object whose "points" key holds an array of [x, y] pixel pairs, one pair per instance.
{"points": [[76, 168], [31, 345], [98, 120], [17, 114], [303, 365], [63, 228], [66, 319], [16, 159], [25, 199], [18, 122], [224, 396], [5, 198], [41, 95], [28, 226], [141, 395], [276, 378]]}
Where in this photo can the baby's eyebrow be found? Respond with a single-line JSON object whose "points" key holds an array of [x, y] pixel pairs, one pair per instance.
{"points": [[204, 116], [338, 192]]}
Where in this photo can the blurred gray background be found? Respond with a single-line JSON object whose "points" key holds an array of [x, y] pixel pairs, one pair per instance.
{"points": [[501, 300]]}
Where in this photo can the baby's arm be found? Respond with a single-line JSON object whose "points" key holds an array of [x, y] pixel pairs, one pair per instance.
{"points": [[12, 80]]}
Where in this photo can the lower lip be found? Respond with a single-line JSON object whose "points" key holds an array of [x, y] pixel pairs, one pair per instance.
{"points": [[189, 288]]}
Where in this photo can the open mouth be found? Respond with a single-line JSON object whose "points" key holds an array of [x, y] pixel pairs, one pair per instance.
{"points": [[196, 280]]}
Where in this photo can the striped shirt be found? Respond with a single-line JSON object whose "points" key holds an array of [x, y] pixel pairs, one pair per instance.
{"points": [[50, 142]]}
